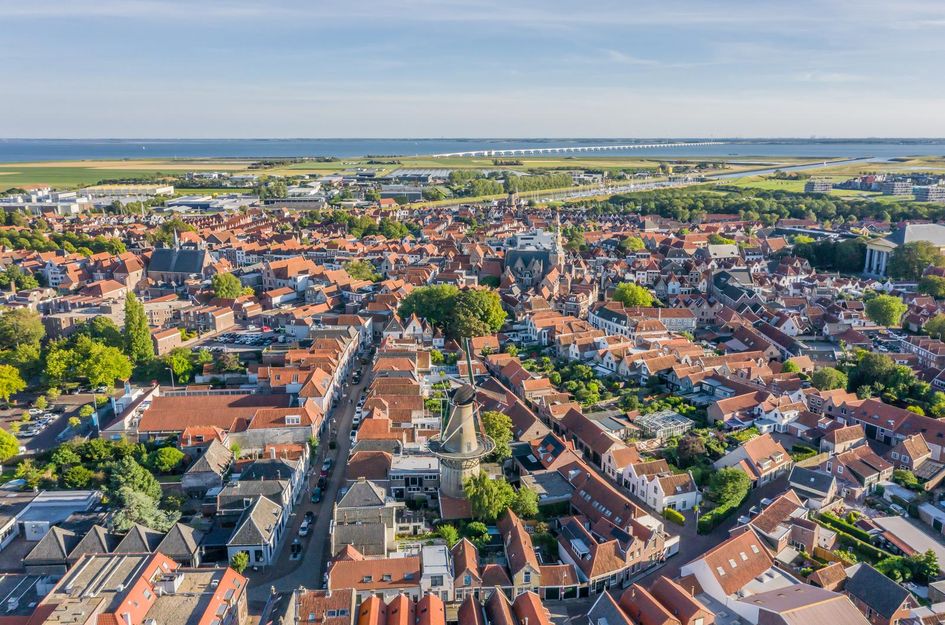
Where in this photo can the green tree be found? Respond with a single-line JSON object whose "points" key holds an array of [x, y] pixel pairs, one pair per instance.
{"points": [[905, 478], [180, 362], [226, 286], [65, 455], [104, 330], [718, 239], [924, 566], [631, 294], [77, 477], [165, 459], [933, 286], [86, 411], [885, 310], [128, 473], [525, 503], [487, 497], [362, 270], [103, 365], [10, 382], [448, 533], [498, 427], [909, 261], [477, 312], [728, 486], [60, 364], [631, 244], [9, 446], [41, 403], [31, 474], [828, 379], [136, 507], [239, 561], [138, 343], [790, 366], [21, 325], [935, 327], [895, 568], [434, 303]]}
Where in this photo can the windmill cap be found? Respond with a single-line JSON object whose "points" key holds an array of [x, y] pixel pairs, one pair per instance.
{"points": [[464, 395]]}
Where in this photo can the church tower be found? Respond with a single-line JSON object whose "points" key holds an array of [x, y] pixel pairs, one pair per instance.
{"points": [[556, 257]]}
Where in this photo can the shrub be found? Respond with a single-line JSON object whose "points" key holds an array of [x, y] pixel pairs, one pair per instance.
{"points": [[841, 525], [673, 515]]}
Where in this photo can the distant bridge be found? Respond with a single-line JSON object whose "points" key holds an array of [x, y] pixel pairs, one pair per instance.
{"points": [[575, 148]]}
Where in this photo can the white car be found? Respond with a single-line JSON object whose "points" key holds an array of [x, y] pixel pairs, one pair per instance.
{"points": [[35, 411], [303, 528]]}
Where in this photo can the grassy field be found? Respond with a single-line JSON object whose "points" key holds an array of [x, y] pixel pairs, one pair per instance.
{"points": [[74, 174]]}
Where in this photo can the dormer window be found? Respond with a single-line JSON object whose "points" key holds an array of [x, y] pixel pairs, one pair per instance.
{"points": [[293, 419]]}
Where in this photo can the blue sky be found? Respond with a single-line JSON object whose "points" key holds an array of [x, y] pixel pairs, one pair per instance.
{"points": [[488, 68]]}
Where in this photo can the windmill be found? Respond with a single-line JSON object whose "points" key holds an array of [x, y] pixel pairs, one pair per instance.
{"points": [[461, 444]]}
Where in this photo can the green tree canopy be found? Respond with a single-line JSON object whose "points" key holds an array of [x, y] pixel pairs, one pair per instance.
{"points": [[128, 473], [362, 270], [828, 379], [933, 286], [790, 366], [138, 343], [9, 446], [525, 503], [468, 313], [239, 561], [909, 261], [165, 459], [498, 427], [728, 486], [226, 286], [21, 325], [935, 327], [631, 244], [886, 310], [137, 507], [10, 382], [102, 365], [181, 363], [78, 477], [631, 294], [488, 497], [448, 533]]}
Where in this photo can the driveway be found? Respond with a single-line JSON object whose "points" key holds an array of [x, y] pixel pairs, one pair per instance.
{"points": [[288, 574]]}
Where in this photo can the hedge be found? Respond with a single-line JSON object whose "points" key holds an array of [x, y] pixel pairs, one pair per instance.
{"points": [[673, 515], [713, 518], [861, 547], [839, 524]]}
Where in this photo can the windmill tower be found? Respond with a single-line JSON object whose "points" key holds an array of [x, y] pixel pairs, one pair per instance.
{"points": [[461, 444]]}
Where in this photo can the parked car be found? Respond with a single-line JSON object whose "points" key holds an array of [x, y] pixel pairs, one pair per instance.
{"points": [[322, 482], [309, 516], [303, 529], [316, 496], [326, 467]]}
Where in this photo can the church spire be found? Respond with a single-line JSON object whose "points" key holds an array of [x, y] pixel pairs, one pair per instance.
{"points": [[558, 258]]}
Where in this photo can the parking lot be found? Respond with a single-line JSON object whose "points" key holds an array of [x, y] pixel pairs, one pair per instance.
{"points": [[44, 428], [243, 340]]}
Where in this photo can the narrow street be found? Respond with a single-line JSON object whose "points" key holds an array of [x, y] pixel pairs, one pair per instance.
{"points": [[288, 574], [692, 544]]}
